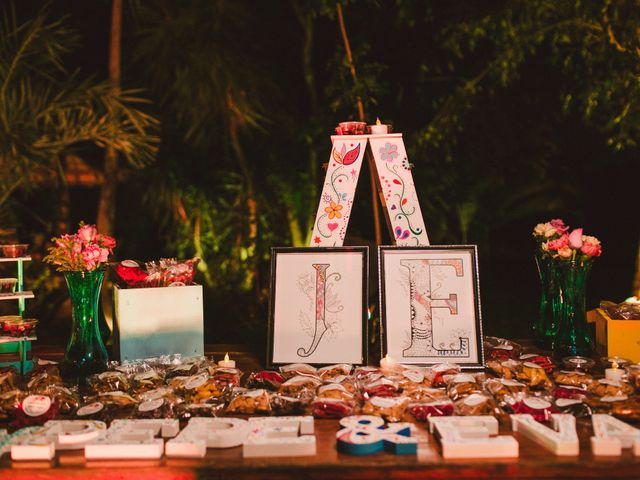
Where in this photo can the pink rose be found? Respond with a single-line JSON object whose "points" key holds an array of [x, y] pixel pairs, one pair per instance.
{"points": [[559, 243], [104, 255], [91, 256], [591, 246], [87, 233], [565, 252], [575, 238], [106, 241], [559, 225]]}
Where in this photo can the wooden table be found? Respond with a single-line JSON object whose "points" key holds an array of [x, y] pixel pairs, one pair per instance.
{"points": [[534, 461]]}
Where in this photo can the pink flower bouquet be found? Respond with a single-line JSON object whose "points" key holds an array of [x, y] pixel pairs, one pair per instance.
{"points": [[555, 239], [85, 250]]}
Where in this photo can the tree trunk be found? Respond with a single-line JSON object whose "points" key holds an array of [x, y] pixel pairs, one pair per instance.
{"points": [[107, 202]]}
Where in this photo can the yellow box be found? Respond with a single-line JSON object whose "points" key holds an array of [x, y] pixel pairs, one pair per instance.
{"points": [[616, 337]]}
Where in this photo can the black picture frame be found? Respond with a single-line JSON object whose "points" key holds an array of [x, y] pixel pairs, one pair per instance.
{"points": [[384, 323], [275, 252]]}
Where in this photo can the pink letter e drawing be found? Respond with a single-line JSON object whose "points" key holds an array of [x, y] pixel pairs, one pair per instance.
{"points": [[320, 324], [422, 302]]}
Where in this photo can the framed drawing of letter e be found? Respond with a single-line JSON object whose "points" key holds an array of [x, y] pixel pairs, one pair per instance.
{"points": [[430, 305], [318, 311]]}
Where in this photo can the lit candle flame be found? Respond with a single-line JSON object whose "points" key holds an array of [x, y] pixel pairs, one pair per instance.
{"points": [[614, 364], [226, 357], [378, 122], [387, 357]]}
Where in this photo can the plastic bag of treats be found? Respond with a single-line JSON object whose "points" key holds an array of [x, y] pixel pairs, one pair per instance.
{"points": [[436, 373], [300, 386], [505, 368], [540, 408], [323, 407], [116, 404], [422, 410], [201, 388], [159, 403], [227, 376], [110, 381], [423, 393], [186, 369], [191, 410], [500, 348], [268, 379], [464, 384], [606, 403], [284, 405], [569, 391], [627, 410], [145, 381], [476, 404], [390, 408], [249, 402], [294, 369], [573, 378], [68, 399], [38, 381], [9, 403], [92, 411], [381, 387], [8, 379], [603, 388], [328, 373], [412, 377], [334, 390], [364, 373], [35, 410], [534, 375], [573, 406], [502, 387], [50, 367], [542, 360]]}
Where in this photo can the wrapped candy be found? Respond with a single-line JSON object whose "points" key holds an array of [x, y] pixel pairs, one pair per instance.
{"points": [[503, 387], [534, 375], [464, 384], [505, 368], [476, 404], [542, 360], [129, 272], [294, 369], [300, 385], [265, 379], [201, 388], [159, 403], [226, 376], [621, 311], [421, 392], [574, 378], [109, 382], [9, 403], [116, 404], [66, 398], [434, 408], [539, 408], [413, 377], [144, 381], [501, 348], [35, 410], [437, 373], [390, 408], [381, 387], [182, 370], [568, 391], [284, 405], [190, 410], [249, 402], [332, 371], [604, 387], [332, 408], [334, 390]]}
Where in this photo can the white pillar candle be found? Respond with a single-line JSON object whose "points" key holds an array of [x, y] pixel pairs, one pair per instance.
{"points": [[379, 128], [614, 373], [226, 362]]}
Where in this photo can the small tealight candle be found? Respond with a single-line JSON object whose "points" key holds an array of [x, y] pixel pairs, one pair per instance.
{"points": [[379, 128], [226, 362], [388, 363], [614, 373]]}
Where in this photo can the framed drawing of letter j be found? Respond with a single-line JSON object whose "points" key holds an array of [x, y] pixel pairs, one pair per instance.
{"points": [[318, 308], [430, 305]]}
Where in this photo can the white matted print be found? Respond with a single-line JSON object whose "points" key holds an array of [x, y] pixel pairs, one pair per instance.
{"points": [[430, 304], [318, 311]]}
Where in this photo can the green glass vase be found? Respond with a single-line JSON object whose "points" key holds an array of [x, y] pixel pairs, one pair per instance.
{"points": [[545, 327], [85, 352], [573, 336]]}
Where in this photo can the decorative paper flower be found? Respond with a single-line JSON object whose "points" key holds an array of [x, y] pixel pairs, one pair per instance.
{"points": [[389, 152], [334, 210]]}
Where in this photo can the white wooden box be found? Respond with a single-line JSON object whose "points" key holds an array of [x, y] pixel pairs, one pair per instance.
{"points": [[158, 321]]}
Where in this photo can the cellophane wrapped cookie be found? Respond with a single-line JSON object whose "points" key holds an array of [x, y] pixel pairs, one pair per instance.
{"points": [[330, 372], [267, 379], [603, 387], [540, 408], [390, 408], [381, 387], [422, 410], [501, 348], [412, 377], [117, 404], [323, 407], [301, 386], [145, 381], [159, 403], [187, 411], [249, 402], [285, 405], [109, 381], [226, 376], [436, 374], [201, 388], [503, 387], [422, 393], [9, 403], [573, 378], [476, 404], [534, 375], [294, 369], [334, 390], [569, 391], [542, 360], [464, 384], [505, 368]]}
